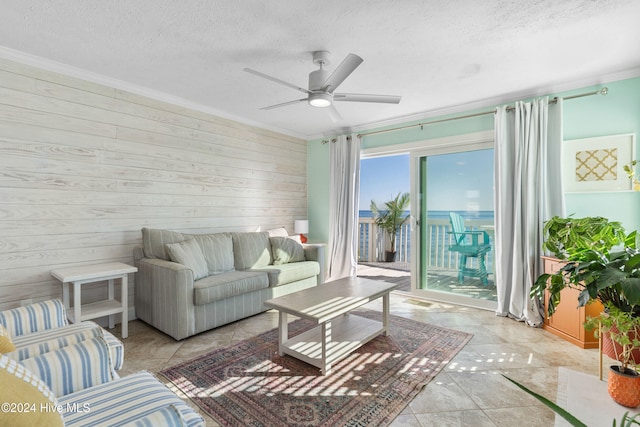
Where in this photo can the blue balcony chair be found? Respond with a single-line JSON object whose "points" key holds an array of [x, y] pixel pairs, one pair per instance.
{"points": [[469, 245]]}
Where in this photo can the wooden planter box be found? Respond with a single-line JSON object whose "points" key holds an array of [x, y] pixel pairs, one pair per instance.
{"points": [[568, 319]]}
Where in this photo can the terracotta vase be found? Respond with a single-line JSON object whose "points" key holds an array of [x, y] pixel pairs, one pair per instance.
{"points": [[624, 387], [613, 349]]}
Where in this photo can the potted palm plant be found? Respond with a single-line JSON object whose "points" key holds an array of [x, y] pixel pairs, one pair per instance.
{"points": [[390, 219]]}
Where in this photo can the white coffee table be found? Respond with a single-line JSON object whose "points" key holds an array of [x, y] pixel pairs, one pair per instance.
{"points": [[328, 305]]}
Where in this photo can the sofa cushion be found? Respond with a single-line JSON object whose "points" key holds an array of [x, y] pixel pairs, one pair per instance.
{"points": [[251, 250], [218, 251], [189, 254], [75, 367], [225, 285], [286, 250], [33, 318], [124, 400], [21, 388], [153, 242], [292, 272]]}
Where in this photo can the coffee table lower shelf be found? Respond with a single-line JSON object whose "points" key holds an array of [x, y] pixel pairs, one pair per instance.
{"points": [[344, 335]]}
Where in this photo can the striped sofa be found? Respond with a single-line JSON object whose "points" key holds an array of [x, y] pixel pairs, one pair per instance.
{"points": [[190, 283], [43, 327]]}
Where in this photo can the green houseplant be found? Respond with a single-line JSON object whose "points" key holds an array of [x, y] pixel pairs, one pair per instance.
{"points": [[630, 169], [626, 420], [585, 245], [623, 329], [598, 273], [610, 277], [568, 238], [390, 219]]}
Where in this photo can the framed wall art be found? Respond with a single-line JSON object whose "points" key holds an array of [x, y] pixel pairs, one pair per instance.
{"points": [[596, 164]]}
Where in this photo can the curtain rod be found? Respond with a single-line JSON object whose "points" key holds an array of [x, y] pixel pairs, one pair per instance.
{"points": [[602, 91]]}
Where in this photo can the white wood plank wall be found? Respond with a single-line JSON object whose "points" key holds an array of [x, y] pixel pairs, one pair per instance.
{"points": [[83, 167]]}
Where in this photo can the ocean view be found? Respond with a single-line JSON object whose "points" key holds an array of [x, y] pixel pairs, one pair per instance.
{"points": [[476, 215], [438, 235]]}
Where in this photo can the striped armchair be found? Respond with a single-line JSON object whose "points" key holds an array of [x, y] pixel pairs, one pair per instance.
{"points": [[77, 386], [43, 327]]}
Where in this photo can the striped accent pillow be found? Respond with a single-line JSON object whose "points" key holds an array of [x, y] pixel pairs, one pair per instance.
{"points": [[34, 317], [189, 254], [73, 368], [166, 416]]}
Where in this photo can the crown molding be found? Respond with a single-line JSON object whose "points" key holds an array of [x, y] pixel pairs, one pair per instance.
{"points": [[82, 74], [79, 73], [553, 88]]}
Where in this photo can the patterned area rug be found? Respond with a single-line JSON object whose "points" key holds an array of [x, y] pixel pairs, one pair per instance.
{"points": [[248, 384]]}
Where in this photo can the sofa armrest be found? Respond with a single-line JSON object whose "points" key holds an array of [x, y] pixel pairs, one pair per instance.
{"points": [[35, 317], [316, 252], [164, 296]]}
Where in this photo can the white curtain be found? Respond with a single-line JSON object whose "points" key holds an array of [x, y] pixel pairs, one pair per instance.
{"points": [[343, 207], [528, 191]]}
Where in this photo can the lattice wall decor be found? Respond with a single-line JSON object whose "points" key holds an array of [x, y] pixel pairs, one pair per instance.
{"points": [[597, 165]]}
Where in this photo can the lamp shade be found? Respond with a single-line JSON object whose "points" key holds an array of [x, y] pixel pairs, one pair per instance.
{"points": [[301, 226]]}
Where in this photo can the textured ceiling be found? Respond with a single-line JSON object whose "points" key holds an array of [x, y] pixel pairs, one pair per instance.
{"points": [[440, 55]]}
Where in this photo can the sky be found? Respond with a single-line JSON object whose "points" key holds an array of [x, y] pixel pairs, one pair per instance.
{"points": [[382, 178], [457, 181]]}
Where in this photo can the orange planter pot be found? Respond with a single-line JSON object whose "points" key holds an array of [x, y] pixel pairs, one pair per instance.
{"points": [[612, 349], [624, 387]]}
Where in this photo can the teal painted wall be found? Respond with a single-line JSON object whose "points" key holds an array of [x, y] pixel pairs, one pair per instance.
{"points": [[616, 113]]}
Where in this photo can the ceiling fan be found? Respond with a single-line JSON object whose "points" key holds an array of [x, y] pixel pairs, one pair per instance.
{"points": [[322, 85]]}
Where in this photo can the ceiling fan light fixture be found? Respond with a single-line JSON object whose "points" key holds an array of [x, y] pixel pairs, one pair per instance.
{"points": [[320, 100]]}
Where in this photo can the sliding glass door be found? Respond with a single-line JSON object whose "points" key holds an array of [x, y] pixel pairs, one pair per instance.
{"points": [[453, 231]]}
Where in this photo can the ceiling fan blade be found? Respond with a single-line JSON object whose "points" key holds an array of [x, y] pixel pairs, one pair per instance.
{"points": [[342, 71], [271, 107], [334, 114], [273, 79], [357, 97]]}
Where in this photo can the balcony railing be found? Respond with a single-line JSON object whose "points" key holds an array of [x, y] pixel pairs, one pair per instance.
{"points": [[372, 244]]}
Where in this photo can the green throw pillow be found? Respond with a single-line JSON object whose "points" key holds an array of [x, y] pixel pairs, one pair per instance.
{"points": [[286, 250], [189, 254]]}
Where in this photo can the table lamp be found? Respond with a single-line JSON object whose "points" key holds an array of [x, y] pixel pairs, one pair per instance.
{"points": [[301, 226]]}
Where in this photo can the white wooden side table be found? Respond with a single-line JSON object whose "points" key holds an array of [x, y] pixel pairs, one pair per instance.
{"points": [[78, 276]]}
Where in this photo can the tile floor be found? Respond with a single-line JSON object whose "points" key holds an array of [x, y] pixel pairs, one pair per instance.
{"points": [[468, 392]]}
